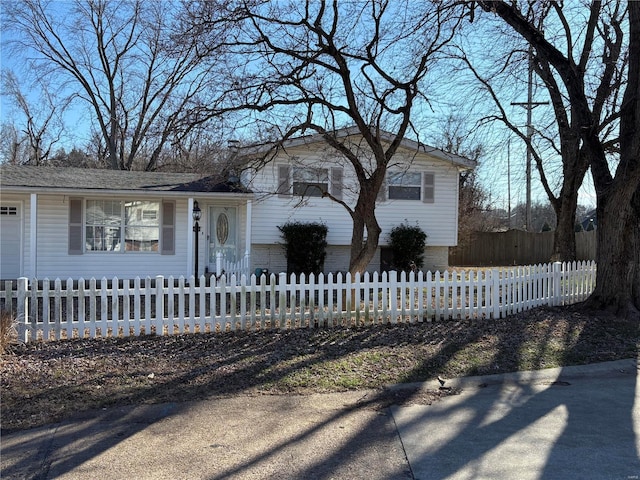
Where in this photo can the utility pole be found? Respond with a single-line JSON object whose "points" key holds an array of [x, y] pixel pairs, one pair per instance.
{"points": [[529, 105], [509, 181]]}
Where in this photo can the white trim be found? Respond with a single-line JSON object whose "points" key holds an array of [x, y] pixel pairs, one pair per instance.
{"points": [[247, 240], [457, 212], [387, 137], [19, 204], [190, 237], [33, 236], [79, 192]]}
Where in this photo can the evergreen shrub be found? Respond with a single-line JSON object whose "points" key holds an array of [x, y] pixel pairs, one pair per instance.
{"points": [[407, 245], [305, 246]]}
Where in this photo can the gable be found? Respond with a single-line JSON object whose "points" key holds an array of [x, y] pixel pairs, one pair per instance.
{"points": [[352, 139]]}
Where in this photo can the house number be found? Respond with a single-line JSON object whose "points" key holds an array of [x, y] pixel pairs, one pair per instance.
{"points": [[222, 228]]}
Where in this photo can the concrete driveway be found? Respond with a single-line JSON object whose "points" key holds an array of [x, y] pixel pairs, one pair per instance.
{"points": [[576, 422]]}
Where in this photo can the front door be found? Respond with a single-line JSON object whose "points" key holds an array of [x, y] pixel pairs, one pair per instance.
{"points": [[223, 234]]}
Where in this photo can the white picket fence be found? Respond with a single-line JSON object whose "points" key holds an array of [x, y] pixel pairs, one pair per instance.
{"points": [[228, 268], [51, 310]]}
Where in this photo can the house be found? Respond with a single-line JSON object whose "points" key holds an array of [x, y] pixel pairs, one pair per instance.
{"points": [[421, 187], [72, 223], [589, 221]]}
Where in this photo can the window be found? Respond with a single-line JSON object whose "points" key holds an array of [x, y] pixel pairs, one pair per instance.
{"points": [[404, 185], [8, 210], [411, 186], [114, 226], [142, 229], [103, 225], [310, 182]]}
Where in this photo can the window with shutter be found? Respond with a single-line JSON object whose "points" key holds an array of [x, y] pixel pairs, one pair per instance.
{"points": [[113, 225], [310, 182], [404, 185]]}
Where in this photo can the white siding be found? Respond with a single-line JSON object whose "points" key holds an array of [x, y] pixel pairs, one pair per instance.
{"points": [[271, 211], [437, 219], [54, 261], [272, 258]]}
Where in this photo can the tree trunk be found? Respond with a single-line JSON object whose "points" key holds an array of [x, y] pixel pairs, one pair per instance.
{"points": [[635, 250], [564, 237], [362, 252], [618, 277], [618, 259]]}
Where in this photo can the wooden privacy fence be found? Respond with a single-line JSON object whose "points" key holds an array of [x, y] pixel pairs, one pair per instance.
{"points": [[51, 310], [516, 247]]}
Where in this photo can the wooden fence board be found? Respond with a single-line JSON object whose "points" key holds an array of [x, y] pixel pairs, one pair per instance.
{"points": [[516, 247]]}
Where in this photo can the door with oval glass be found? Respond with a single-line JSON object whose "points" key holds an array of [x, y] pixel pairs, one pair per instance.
{"points": [[222, 234]]}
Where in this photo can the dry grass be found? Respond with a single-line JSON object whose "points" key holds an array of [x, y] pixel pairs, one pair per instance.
{"points": [[8, 331], [45, 382]]}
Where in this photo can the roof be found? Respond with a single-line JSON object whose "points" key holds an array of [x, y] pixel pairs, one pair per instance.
{"points": [[67, 179], [406, 143]]}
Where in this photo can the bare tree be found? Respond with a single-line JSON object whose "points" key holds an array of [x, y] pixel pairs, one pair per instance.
{"points": [[122, 60], [617, 182], [321, 66], [11, 145], [40, 120], [473, 200], [599, 59]]}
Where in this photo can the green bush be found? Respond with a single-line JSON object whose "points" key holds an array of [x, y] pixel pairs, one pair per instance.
{"points": [[407, 244], [305, 247]]}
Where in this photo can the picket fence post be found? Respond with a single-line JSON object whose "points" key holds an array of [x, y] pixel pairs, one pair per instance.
{"points": [[22, 308], [557, 284], [160, 305], [218, 264], [495, 293]]}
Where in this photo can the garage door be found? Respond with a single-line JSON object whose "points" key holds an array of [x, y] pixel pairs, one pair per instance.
{"points": [[9, 241]]}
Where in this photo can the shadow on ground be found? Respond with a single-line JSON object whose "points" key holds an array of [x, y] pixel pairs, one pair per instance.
{"points": [[251, 362]]}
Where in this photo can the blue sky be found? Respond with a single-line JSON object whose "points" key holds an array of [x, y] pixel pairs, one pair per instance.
{"points": [[444, 101]]}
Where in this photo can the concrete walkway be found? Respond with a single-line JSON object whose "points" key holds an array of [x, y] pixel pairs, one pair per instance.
{"points": [[575, 422]]}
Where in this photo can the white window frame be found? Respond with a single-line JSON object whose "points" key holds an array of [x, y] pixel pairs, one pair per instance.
{"points": [[289, 186], [123, 226], [425, 184], [303, 184]]}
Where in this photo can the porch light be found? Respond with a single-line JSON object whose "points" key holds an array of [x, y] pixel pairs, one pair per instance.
{"points": [[196, 213]]}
